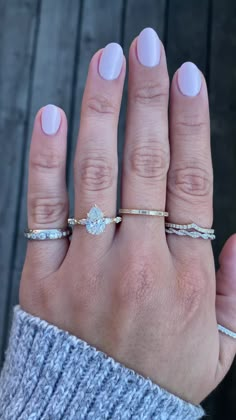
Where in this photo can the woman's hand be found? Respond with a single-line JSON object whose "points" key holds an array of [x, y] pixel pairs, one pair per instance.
{"points": [[145, 298]]}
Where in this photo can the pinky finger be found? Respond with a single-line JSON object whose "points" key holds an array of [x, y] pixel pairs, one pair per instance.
{"points": [[47, 193]]}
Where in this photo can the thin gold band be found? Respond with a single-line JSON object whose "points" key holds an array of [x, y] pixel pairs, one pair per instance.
{"points": [[144, 212]]}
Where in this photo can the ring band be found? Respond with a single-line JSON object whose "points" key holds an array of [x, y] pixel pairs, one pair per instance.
{"points": [[189, 226], [159, 213], [47, 234], [226, 331], [95, 222], [190, 229]]}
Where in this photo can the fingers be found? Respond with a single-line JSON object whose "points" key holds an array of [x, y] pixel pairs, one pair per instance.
{"points": [[226, 305], [146, 151], [47, 194], [96, 164], [190, 177]]}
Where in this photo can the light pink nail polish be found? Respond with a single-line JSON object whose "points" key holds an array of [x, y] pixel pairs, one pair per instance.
{"points": [[50, 119], [111, 61], [189, 79], [148, 48]]}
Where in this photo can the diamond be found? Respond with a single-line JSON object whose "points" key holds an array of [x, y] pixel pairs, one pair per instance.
{"points": [[42, 235], [95, 213], [95, 223]]}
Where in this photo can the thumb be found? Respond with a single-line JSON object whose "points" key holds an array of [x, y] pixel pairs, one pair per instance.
{"points": [[226, 304]]}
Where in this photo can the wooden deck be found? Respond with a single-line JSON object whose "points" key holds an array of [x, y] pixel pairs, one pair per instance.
{"points": [[45, 48]]}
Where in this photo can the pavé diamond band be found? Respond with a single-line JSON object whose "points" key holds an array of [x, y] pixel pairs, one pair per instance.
{"points": [[96, 221], [47, 234], [190, 229], [226, 331]]}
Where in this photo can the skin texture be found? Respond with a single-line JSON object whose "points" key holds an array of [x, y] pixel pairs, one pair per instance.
{"points": [[150, 300]]}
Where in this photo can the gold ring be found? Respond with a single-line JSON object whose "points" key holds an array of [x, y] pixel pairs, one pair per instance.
{"points": [[96, 222], [159, 213]]}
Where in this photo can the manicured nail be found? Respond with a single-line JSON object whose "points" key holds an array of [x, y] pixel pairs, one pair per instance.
{"points": [[111, 61], [189, 79], [148, 48], [50, 119]]}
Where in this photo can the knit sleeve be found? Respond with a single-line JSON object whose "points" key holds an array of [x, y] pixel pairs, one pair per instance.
{"points": [[50, 374]]}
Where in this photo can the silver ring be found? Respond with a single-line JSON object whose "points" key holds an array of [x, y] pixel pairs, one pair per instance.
{"points": [[226, 331], [96, 221], [47, 234], [190, 229]]}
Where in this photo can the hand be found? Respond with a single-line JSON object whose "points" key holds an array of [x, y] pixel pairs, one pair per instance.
{"points": [[146, 298]]}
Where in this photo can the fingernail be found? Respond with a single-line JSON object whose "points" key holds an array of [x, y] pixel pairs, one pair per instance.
{"points": [[189, 79], [111, 61], [148, 48], [50, 119]]}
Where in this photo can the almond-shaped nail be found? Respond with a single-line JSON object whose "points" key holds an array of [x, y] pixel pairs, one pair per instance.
{"points": [[50, 119], [189, 79], [111, 61], [148, 48]]}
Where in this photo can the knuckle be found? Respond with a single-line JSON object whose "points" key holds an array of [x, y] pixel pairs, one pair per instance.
{"points": [[191, 181], [45, 210], [191, 124], [96, 173], [101, 105], [152, 93], [136, 283], [44, 161], [150, 162]]}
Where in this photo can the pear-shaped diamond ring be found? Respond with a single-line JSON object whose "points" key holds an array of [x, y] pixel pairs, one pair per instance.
{"points": [[96, 221]]}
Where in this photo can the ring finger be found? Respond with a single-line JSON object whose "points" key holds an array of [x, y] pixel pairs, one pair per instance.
{"points": [[96, 163]]}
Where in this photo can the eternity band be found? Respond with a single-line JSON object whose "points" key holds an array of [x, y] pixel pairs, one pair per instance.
{"points": [[144, 212], [189, 227], [226, 331], [47, 234]]}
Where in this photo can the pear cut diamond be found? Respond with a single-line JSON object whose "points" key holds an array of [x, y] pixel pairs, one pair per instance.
{"points": [[95, 213], [95, 223]]}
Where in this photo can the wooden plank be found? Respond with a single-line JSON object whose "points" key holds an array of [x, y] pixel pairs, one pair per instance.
{"points": [[187, 35], [52, 83], [16, 58], [138, 15], [222, 83], [101, 24]]}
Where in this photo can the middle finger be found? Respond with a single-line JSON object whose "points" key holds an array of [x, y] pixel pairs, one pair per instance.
{"points": [[146, 151]]}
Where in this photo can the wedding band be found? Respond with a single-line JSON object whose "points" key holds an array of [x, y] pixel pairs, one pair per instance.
{"points": [[95, 222], [159, 213], [189, 226], [226, 331], [46, 234], [190, 229]]}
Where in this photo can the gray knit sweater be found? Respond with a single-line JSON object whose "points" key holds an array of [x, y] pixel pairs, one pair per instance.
{"points": [[49, 374]]}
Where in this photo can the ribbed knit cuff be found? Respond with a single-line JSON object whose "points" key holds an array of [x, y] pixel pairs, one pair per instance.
{"points": [[50, 374]]}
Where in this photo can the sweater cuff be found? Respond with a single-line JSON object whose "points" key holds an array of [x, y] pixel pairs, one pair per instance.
{"points": [[49, 373]]}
